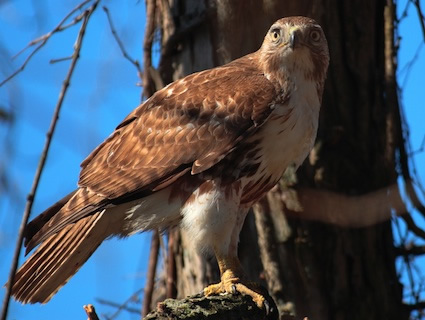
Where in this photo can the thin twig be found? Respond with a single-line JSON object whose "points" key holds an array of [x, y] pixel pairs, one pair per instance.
{"points": [[406, 70], [420, 149], [150, 278], [410, 250], [124, 306], [412, 226], [41, 41], [91, 312], [43, 157], [171, 266], [413, 196], [120, 44], [416, 306], [267, 244], [421, 17], [60, 60], [120, 307], [58, 27], [148, 84]]}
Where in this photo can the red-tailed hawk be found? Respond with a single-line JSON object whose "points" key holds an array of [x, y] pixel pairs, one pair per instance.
{"points": [[200, 151]]}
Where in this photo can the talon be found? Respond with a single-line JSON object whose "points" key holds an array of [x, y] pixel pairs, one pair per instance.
{"points": [[267, 307], [234, 291], [235, 287]]}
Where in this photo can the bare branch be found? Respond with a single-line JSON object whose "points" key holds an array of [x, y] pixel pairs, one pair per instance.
{"points": [[148, 84], [420, 149], [409, 65], [167, 23], [120, 307], [413, 227], [410, 250], [150, 281], [267, 244], [43, 157], [421, 16], [60, 60], [171, 265], [120, 44], [413, 196], [91, 312], [416, 306], [326, 206], [44, 38], [58, 27]]}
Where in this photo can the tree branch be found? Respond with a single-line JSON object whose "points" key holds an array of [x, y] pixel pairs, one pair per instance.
{"points": [[224, 307], [415, 306], [413, 227], [267, 244], [150, 278], [44, 38], [420, 16], [120, 44], [91, 312], [148, 84], [43, 157], [171, 265], [119, 306], [343, 210], [410, 250]]}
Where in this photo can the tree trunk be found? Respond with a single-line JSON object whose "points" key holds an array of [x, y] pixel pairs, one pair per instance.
{"points": [[312, 269]]}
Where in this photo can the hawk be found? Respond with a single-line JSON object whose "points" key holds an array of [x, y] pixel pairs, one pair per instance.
{"points": [[198, 152]]}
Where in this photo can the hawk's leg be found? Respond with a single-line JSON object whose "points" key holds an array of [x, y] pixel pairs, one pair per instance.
{"points": [[213, 218], [232, 275]]}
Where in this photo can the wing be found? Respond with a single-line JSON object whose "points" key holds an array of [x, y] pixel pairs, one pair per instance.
{"points": [[189, 125]]}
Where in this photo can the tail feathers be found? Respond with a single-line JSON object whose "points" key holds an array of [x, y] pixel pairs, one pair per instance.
{"points": [[58, 258], [35, 225]]}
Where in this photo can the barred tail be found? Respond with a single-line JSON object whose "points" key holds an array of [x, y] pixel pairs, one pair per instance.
{"points": [[58, 258]]}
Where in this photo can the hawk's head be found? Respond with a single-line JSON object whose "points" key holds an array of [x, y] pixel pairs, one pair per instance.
{"points": [[295, 44]]}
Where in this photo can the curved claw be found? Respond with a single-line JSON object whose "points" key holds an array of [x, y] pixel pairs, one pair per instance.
{"points": [[234, 291], [267, 307]]}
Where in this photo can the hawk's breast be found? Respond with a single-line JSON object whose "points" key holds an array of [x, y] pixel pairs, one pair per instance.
{"points": [[285, 139]]}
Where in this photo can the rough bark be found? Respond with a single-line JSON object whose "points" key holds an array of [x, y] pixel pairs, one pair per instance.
{"points": [[321, 269], [198, 307]]}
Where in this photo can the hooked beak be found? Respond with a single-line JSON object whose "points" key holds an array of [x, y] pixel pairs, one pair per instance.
{"points": [[294, 38]]}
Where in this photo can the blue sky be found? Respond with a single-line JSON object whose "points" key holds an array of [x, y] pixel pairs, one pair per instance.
{"points": [[103, 91]]}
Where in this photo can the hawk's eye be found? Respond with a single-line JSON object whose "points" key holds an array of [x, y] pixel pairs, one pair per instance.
{"points": [[315, 35], [275, 33]]}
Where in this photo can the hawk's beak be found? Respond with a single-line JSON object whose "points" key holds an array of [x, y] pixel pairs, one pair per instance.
{"points": [[294, 38]]}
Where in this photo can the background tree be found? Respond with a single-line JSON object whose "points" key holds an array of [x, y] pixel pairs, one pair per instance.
{"points": [[342, 267]]}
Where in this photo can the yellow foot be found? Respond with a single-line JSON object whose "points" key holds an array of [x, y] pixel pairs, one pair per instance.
{"points": [[234, 286]]}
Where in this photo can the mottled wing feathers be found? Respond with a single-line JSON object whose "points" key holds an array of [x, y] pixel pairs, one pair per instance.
{"points": [[188, 126], [191, 124]]}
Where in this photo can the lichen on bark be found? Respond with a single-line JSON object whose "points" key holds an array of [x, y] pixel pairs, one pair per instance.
{"points": [[223, 307]]}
